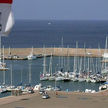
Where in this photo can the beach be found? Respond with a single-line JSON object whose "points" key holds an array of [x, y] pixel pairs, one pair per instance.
{"points": [[55, 51], [61, 100]]}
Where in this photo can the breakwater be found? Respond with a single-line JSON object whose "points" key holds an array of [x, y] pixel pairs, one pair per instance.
{"points": [[55, 51]]}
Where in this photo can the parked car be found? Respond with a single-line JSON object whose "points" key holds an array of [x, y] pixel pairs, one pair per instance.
{"points": [[45, 96], [41, 91]]}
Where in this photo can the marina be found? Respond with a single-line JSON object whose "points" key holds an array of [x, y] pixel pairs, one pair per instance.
{"points": [[53, 54], [29, 73], [71, 69]]}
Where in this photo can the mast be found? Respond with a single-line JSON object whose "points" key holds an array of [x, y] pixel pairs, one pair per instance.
{"points": [[21, 74], [88, 64], [44, 61], [84, 58], [68, 60], [9, 51], [29, 73], [75, 58], [99, 63], [106, 45], [32, 50], [4, 78], [50, 65], [11, 75], [105, 64], [59, 62], [3, 55], [62, 54], [80, 66]]}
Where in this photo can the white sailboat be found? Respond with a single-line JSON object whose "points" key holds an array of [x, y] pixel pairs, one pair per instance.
{"points": [[60, 73], [105, 58], [31, 56], [2, 63], [11, 87], [80, 78], [44, 76], [67, 73], [75, 68], [50, 69]]}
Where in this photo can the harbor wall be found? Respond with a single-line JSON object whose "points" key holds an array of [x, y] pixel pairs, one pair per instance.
{"points": [[55, 51]]}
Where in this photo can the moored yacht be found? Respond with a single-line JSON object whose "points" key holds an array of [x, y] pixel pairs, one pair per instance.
{"points": [[31, 56]]}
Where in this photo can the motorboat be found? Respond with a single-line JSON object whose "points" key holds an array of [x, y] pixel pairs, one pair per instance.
{"points": [[31, 57]]}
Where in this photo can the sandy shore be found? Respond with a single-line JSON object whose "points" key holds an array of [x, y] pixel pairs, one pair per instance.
{"points": [[62, 100], [55, 51]]}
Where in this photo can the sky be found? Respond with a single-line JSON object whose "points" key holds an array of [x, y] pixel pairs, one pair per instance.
{"points": [[61, 9]]}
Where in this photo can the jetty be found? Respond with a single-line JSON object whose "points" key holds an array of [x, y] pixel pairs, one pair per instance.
{"points": [[23, 52]]}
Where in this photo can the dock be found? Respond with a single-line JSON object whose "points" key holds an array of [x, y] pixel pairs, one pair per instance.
{"points": [[24, 52]]}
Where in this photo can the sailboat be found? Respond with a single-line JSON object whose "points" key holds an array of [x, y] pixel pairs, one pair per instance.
{"points": [[11, 87], [67, 73], [105, 58], [75, 68], [44, 76], [50, 69], [80, 78], [31, 56], [60, 73], [2, 63]]}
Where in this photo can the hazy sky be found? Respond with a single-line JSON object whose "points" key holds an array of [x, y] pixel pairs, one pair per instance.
{"points": [[61, 9]]}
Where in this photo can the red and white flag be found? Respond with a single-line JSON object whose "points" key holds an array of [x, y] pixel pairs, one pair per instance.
{"points": [[6, 17]]}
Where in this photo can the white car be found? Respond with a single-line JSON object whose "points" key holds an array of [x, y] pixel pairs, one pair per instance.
{"points": [[45, 96]]}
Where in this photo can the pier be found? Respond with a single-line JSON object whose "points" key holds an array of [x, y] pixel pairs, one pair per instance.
{"points": [[22, 52]]}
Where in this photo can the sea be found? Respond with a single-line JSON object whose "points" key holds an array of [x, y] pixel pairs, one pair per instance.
{"points": [[36, 33]]}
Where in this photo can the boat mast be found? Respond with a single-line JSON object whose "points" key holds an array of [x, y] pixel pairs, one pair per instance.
{"points": [[75, 59], [99, 63], [84, 58], [106, 45], [88, 64], [21, 74], [62, 54], [50, 65], [32, 50], [3, 71], [11, 75], [29, 73], [106, 51], [80, 66], [68, 60], [3, 55], [4, 78], [44, 62], [9, 51]]}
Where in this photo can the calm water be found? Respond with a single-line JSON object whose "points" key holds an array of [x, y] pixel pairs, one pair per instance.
{"points": [[21, 70], [27, 33]]}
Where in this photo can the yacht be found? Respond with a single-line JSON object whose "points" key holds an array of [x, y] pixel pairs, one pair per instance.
{"points": [[31, 56]]}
